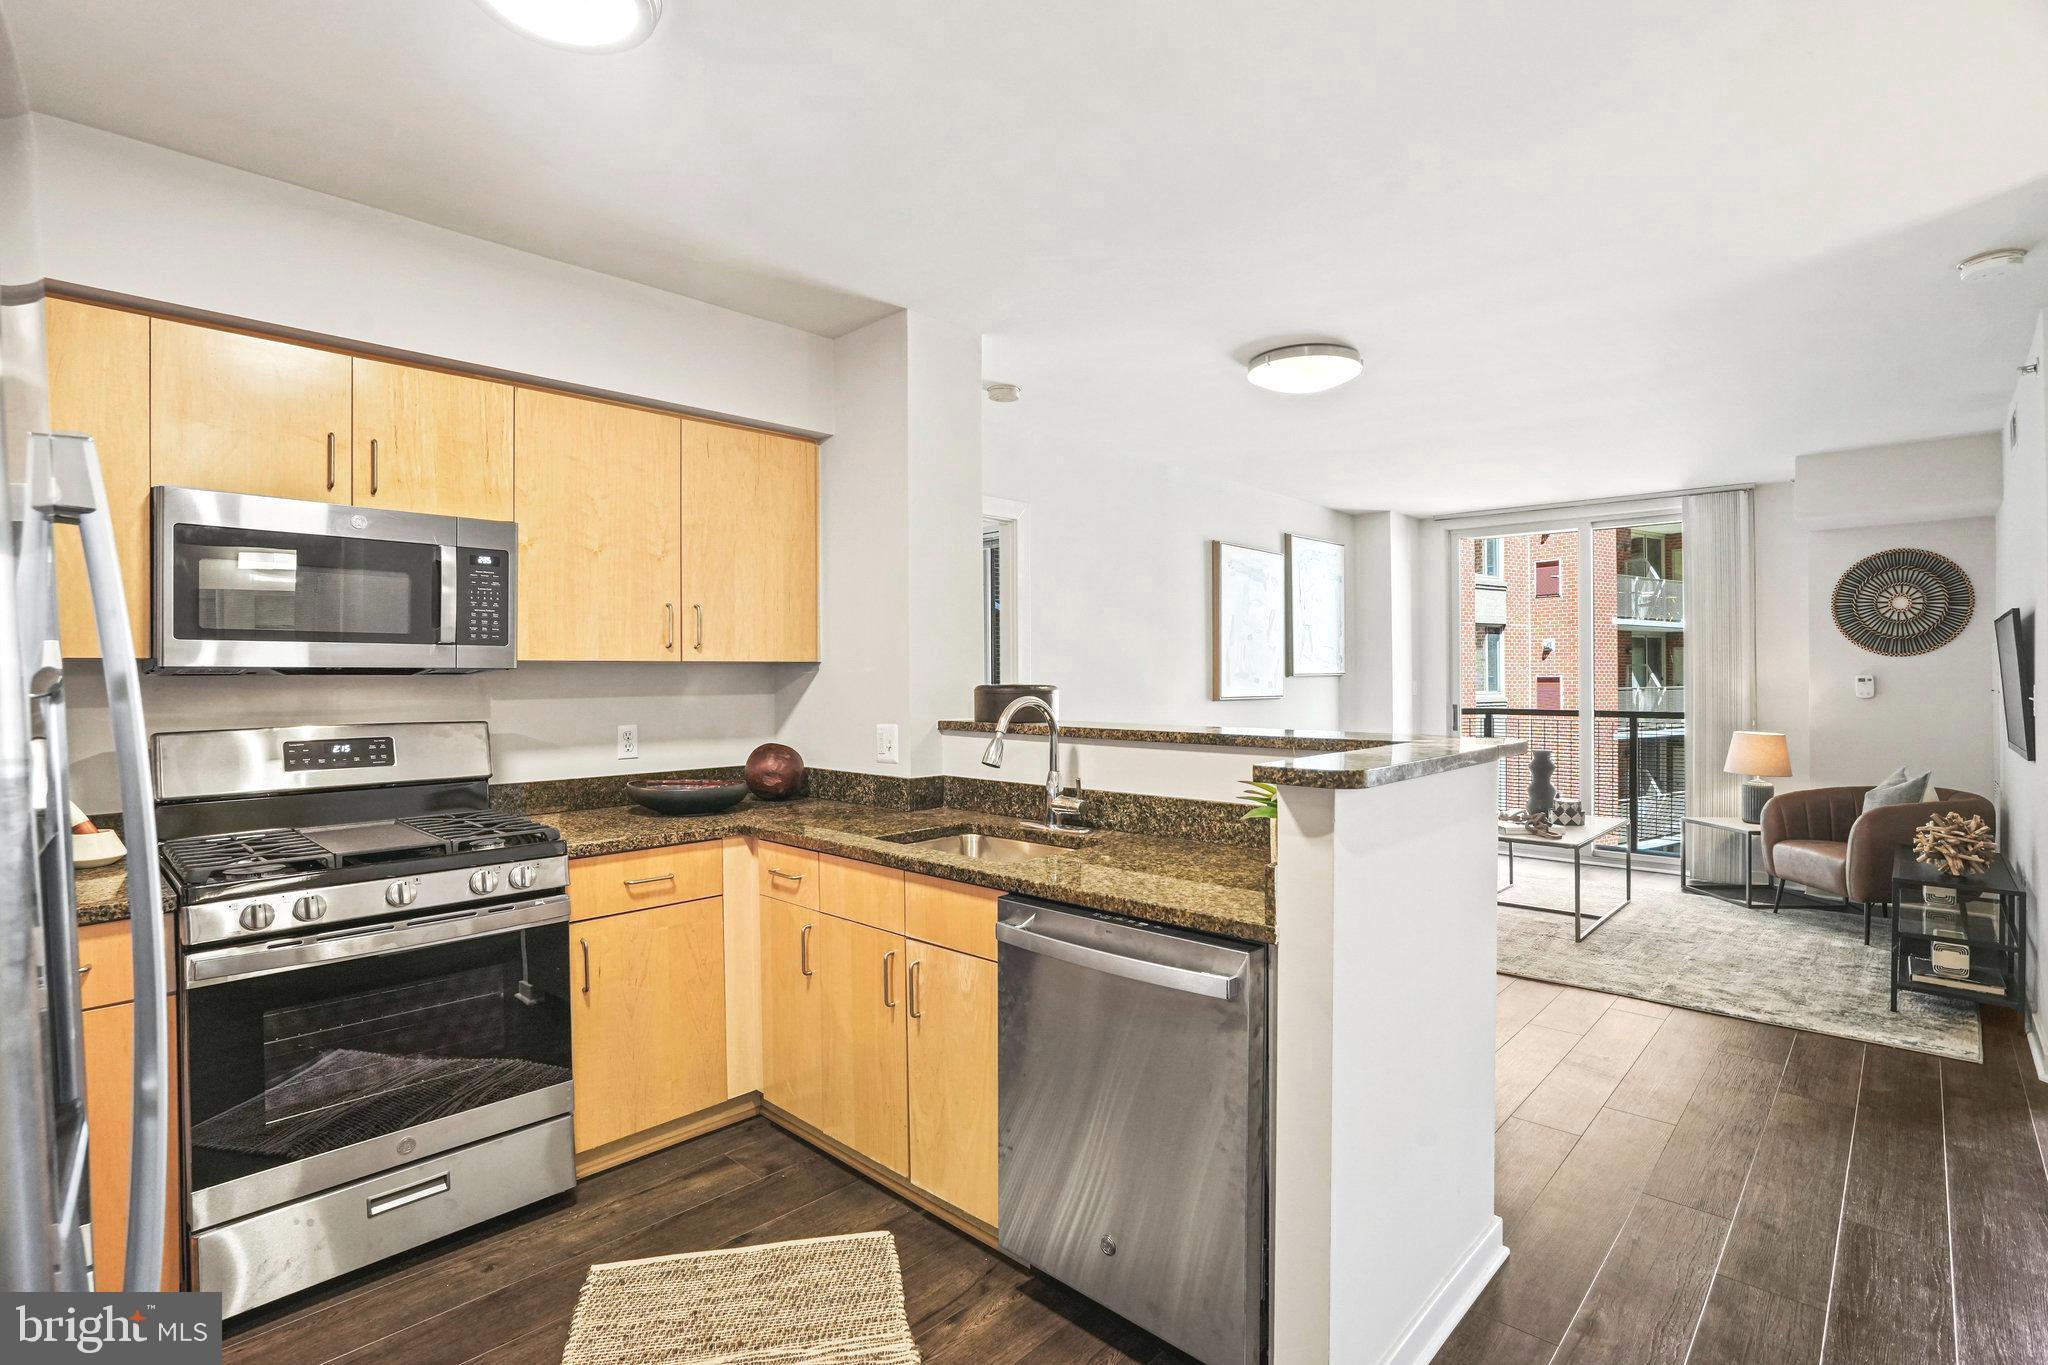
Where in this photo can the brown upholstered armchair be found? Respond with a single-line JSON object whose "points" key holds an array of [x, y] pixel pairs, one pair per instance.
{"points": [[1824, 840]]}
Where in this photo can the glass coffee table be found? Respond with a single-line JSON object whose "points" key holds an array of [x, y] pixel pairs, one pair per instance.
{"points": [[1577, 839]]}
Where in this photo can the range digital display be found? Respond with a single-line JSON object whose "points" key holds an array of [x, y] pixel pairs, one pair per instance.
{"points": [[302, 755]]}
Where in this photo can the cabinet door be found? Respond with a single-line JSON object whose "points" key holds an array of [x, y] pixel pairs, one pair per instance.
{"points": [[432, 442], [246, 414], [99, 384], [596, 496], [952, 1051], [865, 1104], [649, 1022], [749, 544], [792, 1010], [109, 1108]]}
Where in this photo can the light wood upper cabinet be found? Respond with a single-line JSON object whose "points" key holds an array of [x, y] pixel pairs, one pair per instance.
{"points": [[952, 1057], [109, 1107], [428, 441], [99, 384], [648, 1021], [246, 414], [598, 511], [792, 1010], [749, 544], [865, 1105]]}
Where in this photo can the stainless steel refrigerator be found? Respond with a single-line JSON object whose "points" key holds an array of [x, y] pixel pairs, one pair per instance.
{"points": [[46, 1215]]}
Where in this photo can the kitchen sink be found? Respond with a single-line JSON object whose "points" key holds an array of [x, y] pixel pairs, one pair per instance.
{"points": [[987, 848]]}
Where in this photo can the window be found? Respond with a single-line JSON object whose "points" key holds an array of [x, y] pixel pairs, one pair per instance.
{"points": [[1550, 694], [992, 606], [1549, 580], [1490, 673], [1488, 561]]}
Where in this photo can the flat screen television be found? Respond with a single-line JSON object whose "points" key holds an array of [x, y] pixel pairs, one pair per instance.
{"points": [[2016, 682]]}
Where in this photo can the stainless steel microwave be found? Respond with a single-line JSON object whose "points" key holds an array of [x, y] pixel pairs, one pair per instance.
{"points": [[247, 584]]}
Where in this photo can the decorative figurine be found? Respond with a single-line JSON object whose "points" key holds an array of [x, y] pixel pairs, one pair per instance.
{"points": [[1542, 795], [775, 772]]}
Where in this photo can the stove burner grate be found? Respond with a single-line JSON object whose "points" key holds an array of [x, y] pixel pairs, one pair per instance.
{"points": [[213, 859], [464, 831]]}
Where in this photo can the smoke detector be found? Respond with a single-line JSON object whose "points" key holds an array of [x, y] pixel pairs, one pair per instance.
{"points": [[1985, 264], [1002, 393]]}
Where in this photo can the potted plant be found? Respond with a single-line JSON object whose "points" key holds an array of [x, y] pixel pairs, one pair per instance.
{"points": [[1263, 800]]}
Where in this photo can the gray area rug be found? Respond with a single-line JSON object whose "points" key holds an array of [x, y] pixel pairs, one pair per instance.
{"points": [[1804, 969]]}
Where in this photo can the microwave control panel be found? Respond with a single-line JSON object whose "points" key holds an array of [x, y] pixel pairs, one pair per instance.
{"points": [[483, 591], [302, 755]]}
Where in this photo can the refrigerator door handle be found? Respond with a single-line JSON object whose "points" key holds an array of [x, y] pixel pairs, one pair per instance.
{"points": [[74, 491]]}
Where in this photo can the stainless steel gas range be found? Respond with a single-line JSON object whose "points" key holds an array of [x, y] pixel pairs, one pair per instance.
{"points": [[373, 996]]}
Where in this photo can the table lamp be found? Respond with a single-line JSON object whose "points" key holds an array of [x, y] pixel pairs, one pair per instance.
{"points": [[1757, 754]]}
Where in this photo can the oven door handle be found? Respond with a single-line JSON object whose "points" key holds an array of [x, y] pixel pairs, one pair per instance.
{"points": [[245, 960]]}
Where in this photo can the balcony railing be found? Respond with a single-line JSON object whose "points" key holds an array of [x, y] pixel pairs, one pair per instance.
{"points": [[1652, 696], [1639, 598], [1639, 760]]}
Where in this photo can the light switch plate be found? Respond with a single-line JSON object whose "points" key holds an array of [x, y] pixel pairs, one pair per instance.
{"points": [[1866, 685], [629, 741], [885, 744]]}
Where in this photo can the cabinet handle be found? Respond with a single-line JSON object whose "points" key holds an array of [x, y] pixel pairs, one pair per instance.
{"points": [[330, 462], [803, 950], [585, 944], [649, 881], [373, 467], [668, 625], [889, 979], [699, 609], [785, 876], [916, 990], [86, 968]]}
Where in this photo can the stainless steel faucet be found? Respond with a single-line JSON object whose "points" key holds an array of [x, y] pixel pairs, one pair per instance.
{"points": [[1058, 805]]}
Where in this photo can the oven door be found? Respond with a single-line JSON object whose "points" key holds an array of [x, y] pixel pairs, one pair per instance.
{"points": [[313, 1060], [250, 583]]}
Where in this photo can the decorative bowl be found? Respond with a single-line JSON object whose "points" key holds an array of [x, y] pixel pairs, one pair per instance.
{"points": [[686, 795], [100, 848]]}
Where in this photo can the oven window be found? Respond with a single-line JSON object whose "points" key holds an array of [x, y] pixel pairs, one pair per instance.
{"points": [[291, 1065], [230, 584]]}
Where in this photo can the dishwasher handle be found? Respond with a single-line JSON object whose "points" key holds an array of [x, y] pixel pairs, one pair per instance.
{"points": [[1186, 980]]}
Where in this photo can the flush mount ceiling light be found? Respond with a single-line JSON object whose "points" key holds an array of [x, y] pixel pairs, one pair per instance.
{"points": [[1002, 393], [1985, 264], [580, 25], [1309, 368]]}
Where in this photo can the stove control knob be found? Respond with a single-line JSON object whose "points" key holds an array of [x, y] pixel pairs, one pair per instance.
{"points": [[309, 908], [257, 916], [401, 894], [484, 881], [522, 876]]}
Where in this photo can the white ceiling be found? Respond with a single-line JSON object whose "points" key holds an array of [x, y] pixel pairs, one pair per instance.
{"points": [[1587, 247]]}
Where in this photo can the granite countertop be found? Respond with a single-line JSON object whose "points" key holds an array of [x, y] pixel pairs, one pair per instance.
{"points": [[1383, 766], [1215, 888], [1202, 736]]}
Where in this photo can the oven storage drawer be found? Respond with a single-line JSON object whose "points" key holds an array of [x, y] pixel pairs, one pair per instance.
{"points": [[255, 1260]]}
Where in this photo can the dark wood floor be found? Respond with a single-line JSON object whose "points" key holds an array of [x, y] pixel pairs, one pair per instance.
{"points": [[504, 1292], [1680, 1187]]}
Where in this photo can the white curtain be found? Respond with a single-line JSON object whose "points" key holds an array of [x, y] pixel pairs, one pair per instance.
{"points": [[1720, 663]]}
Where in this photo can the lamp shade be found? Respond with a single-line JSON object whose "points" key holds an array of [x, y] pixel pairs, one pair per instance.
{"points": [[1758, 753]]}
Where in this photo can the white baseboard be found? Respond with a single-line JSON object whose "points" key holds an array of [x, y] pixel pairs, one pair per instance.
{"points": [[1434, 1321], [2034, 1046]]}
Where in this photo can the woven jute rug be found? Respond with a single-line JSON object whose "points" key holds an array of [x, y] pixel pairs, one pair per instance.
{"points": [[835, 1300]]}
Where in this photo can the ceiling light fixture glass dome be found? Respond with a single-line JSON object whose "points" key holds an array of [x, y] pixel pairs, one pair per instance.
{"points": [[580, 25], [1312, 367]]}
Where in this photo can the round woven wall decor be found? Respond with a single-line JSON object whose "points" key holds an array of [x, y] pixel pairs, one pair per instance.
{"points": [[1902, 602]]}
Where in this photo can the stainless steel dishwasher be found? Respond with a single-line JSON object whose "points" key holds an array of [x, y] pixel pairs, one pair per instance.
{"points": [[1132, 1153]]}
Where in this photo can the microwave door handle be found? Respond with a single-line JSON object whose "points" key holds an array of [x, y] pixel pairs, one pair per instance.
{"points": [[448, 605], [77, 463]]}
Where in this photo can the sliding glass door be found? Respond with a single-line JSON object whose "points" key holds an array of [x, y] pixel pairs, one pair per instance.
{"points": [[1571, 635]]}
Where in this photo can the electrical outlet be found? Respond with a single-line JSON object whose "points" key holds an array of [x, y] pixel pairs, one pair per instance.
{"points": [[629, 741], [885, 744]]}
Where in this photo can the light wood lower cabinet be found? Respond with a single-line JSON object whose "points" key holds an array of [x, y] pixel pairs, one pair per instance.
{"points": [[792, 1010], [648, 1010], [865, 1105], [952, 1077], [109, 1073]]}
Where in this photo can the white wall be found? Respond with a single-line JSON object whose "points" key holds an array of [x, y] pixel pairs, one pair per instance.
{"points": [[1117, 549], [1381, 686], [2023, 583]]}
